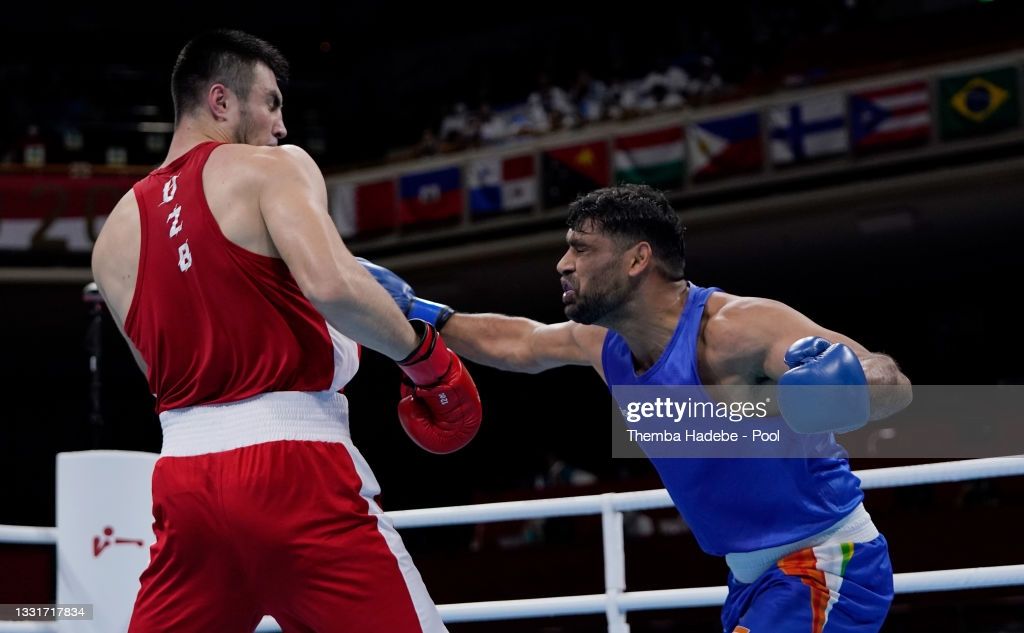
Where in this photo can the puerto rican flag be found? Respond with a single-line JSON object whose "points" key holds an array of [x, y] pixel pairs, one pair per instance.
{"points": [[896, 116]]}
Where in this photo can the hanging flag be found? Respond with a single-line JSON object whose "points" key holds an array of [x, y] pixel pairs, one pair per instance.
{"points": [[809, 129], [654, 158], [430, 195], [979, 103], [341, 197], [57, 212], [363, 208], [501, 184], [892, 117], [725, 147], [570, 171]]}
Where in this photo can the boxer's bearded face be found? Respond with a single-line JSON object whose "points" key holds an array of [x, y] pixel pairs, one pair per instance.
{"points": [[595, 285], [260, 118]]}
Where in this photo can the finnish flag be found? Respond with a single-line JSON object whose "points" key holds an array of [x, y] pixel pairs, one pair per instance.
{"points": [[809, 129]]}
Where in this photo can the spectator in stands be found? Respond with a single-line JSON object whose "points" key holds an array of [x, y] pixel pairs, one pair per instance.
{"points": [[622, 98], [662, 88], [554, 102], [428, 145], [492, 128], [455, 127], [588, 97], [33, 147], [706, 82]]}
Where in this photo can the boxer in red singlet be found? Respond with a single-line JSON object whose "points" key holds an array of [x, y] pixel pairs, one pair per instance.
{"points": [[241, 304]]}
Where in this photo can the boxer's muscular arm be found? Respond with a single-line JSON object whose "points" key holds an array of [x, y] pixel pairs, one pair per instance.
{"points": [[748, 337], [115, 261], [293, 204], [519, 344]]}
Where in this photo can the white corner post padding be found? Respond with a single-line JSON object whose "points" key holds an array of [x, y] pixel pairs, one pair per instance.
{"points": [[104, 531]]}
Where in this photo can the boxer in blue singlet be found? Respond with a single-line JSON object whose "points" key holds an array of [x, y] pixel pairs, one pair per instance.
{"points": [[803, 553]]}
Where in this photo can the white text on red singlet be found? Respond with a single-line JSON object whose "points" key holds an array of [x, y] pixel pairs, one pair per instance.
{"points": [[184, 254]]}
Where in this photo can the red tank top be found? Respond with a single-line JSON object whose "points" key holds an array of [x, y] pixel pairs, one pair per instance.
{"points": [[215, 322]]}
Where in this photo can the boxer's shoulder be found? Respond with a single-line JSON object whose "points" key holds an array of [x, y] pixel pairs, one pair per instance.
{"points": [[115, 254], [251, 165], [734, 334], [120, 228]]}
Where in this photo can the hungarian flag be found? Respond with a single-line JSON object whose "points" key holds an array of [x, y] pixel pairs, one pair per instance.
{"points": [[502, 184], [979, 103], [893, 117], [369, 207], [725, 147], [570, 171], [654, 158], [429, 196], [809, 129]]}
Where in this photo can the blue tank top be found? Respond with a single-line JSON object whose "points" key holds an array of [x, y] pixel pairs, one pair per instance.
{"points": [[737, 505]]}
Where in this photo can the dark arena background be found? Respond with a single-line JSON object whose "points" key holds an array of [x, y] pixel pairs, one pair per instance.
{"points": [[860, 160]]}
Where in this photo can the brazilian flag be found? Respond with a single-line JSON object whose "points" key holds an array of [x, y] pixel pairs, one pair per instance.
{"points": [[979, 103]]}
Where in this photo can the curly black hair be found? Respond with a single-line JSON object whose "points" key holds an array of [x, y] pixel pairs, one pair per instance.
{"points": [[635, 213]]}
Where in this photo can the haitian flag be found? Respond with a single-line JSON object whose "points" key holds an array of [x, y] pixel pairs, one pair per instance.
{"points": [[654, 158], [429, 196], [979, 103], [808, 129], [893, 117], [502, 184], [369, 207], [725, 147], [570, 171]]}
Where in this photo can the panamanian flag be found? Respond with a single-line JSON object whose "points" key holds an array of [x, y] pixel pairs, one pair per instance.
{"points": [[808, 130], [892, 117], [502, 184]]}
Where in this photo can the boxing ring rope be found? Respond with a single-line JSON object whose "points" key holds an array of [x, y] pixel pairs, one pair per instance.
{"points": [[616, 602]]}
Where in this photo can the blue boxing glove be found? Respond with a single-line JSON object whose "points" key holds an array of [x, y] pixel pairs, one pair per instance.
{"points": [[825, 389], [436, 314]]}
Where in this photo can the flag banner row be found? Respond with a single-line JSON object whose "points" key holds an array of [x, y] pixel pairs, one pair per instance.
{"points": [[47, 211], [890, 117]]}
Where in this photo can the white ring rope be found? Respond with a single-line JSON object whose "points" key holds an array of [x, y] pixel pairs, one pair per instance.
{"points": [[891, 477], [895, 476], [28, 534], [914, 582]]}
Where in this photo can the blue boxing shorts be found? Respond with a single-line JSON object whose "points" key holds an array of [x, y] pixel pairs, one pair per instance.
{"points": [[834, 588]]}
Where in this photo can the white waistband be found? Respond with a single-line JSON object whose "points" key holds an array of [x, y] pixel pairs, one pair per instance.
{"points": [[855, 527], [268, 417]]}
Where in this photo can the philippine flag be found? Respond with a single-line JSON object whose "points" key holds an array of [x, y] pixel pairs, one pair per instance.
{"points": [[725, 147]]}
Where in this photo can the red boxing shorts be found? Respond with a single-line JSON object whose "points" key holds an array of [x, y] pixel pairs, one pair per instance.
{"points": [[264, 507]]}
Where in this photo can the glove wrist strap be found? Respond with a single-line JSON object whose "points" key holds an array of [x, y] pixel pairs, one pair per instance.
{"points": [[437, 314], [430, 360]]}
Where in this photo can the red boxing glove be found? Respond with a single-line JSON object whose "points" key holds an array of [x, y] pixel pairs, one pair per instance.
{"points": [[440, 408]]}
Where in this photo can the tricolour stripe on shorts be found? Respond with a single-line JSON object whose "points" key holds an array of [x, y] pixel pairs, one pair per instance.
{"points": [[821, 569]]}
